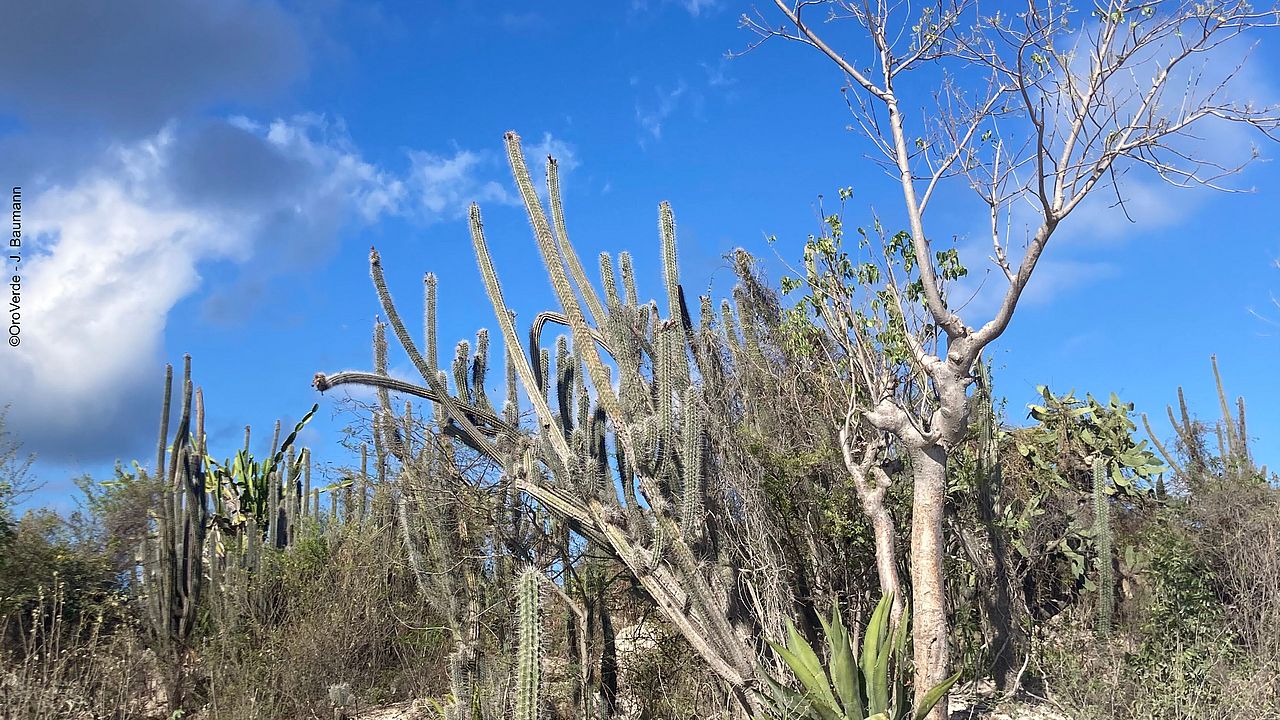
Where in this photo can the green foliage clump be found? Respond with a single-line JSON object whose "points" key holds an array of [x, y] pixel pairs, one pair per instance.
{"points": [[241, 486], [871, 686]]}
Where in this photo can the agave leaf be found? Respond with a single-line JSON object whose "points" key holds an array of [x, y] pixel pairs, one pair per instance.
{"points": [[935, 694], [900, 635], [875, 665], [808, 670], [899, 693], [785, 702], [844, 666]]}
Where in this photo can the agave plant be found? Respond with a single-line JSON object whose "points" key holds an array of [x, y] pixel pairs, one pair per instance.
{"points": [[241, 486], [869, 687]]}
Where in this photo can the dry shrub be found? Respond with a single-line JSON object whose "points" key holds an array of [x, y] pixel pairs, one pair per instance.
{"points": [[88, 669], [1238, 535], [1205, 642], [337, 607]]}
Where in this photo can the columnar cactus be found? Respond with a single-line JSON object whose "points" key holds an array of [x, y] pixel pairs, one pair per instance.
{"points": [[652, 408], [529, 651], [173, 571], [1232, 435]]}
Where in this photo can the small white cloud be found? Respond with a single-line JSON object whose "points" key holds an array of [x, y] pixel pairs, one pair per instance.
{"points": [[326, 146], [978, 295], [718, 73], [445, 186], [694, 7], [698, 7], [560, 150], [652, 117], [550, 146]]}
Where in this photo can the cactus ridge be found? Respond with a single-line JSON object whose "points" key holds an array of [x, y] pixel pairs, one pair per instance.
{"points": [[529, 651]]}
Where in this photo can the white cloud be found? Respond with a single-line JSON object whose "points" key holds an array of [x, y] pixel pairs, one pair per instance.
{"points": [[651, 117], [978, 295], [694, 7], [109, 253], [557, 148], [1139, 205], [536, 155], [445, 186], [371, 191], [697, 7], [718, 74]]}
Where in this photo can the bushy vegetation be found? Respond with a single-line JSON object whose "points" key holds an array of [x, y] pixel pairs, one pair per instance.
{"points": [[801, 501], [479, 571]]}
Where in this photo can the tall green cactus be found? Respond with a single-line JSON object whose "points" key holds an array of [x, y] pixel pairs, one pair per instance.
{"points": [[173, 569], [1102, 541], [529, 652]]}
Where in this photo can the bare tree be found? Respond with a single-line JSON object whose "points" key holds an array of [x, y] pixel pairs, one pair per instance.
{"points": [[1034, 110]]}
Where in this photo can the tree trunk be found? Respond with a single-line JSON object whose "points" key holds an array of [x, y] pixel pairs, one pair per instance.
{"points": [[608, 702], [928, 587], [175, 690], [886, 546], [871, 491]]}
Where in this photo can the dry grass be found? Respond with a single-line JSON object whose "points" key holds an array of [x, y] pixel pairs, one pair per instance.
{"points": [[74, 672], [336, 608]]}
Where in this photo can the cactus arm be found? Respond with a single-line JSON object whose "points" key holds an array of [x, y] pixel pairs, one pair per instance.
{"points": [[486, 421], [529, 650], [566, 248], [551, 316], [164, 421], [610, 280], [429, 343], [507, 324], [393, 317], [630, 296], [480, 370], [691, 492], [1227, 426], [1164, 452], [554, 262], [1102, 536]]}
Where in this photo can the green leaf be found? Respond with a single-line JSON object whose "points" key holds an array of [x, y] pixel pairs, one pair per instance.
{"points": [[873, 671], [785, 703], [844, 666], [814, 680], [288, 442], [935, 694], [815, 677]]}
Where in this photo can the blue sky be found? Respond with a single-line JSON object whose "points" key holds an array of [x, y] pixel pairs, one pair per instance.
{"points": [[208, 178]]}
